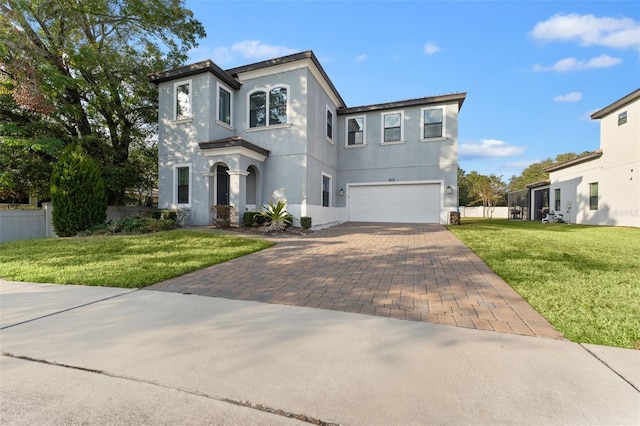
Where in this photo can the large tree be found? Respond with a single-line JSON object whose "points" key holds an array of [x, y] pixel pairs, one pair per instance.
{"points": [[84, 65]]}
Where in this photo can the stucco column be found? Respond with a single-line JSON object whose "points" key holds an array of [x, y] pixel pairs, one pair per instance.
{"points": [[238, 193]]}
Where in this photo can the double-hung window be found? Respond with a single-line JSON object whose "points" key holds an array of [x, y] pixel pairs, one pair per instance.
{"points": [[593, 196], [355, 131], [182, 105], [329, 123], [182, 179], [433, 123], [392, 129], [268, 107], [224, 105]]}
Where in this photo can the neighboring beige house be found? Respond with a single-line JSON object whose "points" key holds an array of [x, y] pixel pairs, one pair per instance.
{"points": [[603, 187]]}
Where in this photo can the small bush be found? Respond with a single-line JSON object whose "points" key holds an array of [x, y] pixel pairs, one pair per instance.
{"points": [[132, 225], [259, 218], [169, 215], [305, 222], [288, 219], [248, 218]]}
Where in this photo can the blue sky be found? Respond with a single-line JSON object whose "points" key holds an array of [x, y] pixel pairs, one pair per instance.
{"points": [[533, 71]]}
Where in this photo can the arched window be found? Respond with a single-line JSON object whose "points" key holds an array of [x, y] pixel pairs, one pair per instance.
{"points": [[276, 100]]}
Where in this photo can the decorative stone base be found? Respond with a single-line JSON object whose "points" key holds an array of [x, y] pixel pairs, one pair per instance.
{"points": [[224, 216]]}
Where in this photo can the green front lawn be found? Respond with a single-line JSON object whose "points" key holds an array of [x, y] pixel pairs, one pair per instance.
{"points": [[584, 279], [120, 261]]}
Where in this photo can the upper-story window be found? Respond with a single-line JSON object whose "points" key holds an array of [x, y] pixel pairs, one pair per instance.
{"points": [[268, 108], [392, 127], [433, 123], [224, 105], [356, 131], [622, 118], [182, 100], [329, 123]]}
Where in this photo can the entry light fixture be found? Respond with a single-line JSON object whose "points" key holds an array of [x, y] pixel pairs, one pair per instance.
{"points": [[341, 192], [449, 189]]}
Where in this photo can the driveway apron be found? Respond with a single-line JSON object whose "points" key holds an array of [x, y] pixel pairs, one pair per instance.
{"points": [[418, 272]]}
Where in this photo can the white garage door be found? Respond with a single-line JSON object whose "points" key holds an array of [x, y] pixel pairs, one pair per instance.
{"points": [[399, 203]]}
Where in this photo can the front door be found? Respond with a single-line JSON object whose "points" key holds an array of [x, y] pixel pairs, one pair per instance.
{"points": [[222, 186]]}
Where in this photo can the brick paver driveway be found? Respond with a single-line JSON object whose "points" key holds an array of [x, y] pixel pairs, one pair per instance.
{"points": [[413, 272]]}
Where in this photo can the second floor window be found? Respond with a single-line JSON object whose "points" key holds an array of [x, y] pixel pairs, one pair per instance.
{"points": [[355, 131], [432, 122], [392, 127], [224, 106], [268, 108], [329, 124], [183, 100]]}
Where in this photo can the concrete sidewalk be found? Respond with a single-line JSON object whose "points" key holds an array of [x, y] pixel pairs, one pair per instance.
{"points": [[248, 362]]}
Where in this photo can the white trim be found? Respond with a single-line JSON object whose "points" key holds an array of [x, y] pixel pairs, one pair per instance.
{"points": [[333, 124], [175, 101], [275, 126], [238, 172], [267, 90], [175, 184], [330, 188], [392, 143], [234, 150], [225, 125], [228, 90], [364, 131], [444, 123], [382, 115]]}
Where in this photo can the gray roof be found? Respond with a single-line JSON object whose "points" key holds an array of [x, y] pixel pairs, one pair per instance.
{"points": [[617, 104], [193, 69], [235, 141], [575, 160], [457, 97]]}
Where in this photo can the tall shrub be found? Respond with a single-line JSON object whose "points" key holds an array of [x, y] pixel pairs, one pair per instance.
{"points": [[77, 193]]}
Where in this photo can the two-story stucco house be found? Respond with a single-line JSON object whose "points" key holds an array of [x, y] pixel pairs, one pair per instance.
{"points": [[603, 187], [279, 129]]}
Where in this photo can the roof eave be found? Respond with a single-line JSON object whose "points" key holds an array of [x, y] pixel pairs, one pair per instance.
{"points": [[429, 100], [616, 105], [574, 161], [194, 69]]}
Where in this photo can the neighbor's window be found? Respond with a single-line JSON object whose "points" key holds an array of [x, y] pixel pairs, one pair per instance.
{"points": [[392, 127], [182, 181], [329, 124], [183, 100], [433, 120], [276, 100], [224, 106], [326, 190], [622, 118], [593, 196], [557, 199], [355, 131]]}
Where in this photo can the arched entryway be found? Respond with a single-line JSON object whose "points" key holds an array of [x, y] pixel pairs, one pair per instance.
{"points": [[252, 185], [220, 186]]}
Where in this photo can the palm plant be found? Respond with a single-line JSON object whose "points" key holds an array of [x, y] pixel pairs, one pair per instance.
{"points": [[277, 216]]}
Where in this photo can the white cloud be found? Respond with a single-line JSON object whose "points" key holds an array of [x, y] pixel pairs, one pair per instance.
{"points": [[588, 30], [249, 49], [569, 97], [361, 58], [573, 64], [587, 116], [430, 48], [488, 148]]}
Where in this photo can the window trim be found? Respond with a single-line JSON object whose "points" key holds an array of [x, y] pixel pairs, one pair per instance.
{"points": [[326, 130], [557, 197], [591, 197], [220, 86], [382, 127], [329, 198], [175, 184], [267, 90], [444, 124], [175, 100], [364, 131]]}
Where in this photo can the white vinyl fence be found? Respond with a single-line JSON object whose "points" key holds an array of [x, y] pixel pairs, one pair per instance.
{"points": [[495, 212], [16, 225]]}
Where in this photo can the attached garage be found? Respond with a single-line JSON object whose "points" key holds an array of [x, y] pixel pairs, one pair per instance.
{"points": [[395, 202]]}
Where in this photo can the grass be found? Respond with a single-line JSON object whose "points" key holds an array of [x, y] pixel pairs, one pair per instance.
{"points": [[584, 279], [120, 261]]}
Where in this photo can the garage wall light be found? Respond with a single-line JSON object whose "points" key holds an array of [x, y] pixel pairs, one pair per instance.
{"points": [[341, 192], [449, 189]]}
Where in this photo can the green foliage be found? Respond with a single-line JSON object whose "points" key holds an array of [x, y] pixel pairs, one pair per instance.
{"points": [[133, 225], [277, 216], [84, 67], [122, 261], [248, 218], [305, 222], [77, 193], [488, 191], [583, 279]]}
